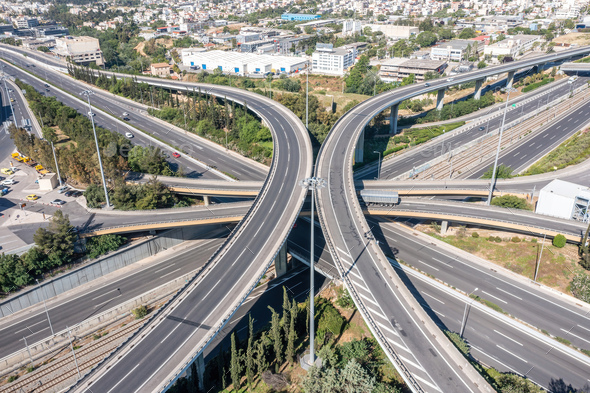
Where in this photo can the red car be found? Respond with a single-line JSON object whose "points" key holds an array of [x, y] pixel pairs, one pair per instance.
{"points": [[176, 155]]}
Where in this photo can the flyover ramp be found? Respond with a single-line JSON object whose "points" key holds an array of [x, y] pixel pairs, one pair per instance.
{"points": [[155, 357]]}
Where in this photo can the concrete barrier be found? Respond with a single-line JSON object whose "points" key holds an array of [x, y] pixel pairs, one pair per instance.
{"points": [[98, 268]]}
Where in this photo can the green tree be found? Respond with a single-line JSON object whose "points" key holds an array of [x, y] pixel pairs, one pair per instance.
{"points": [[502, 172], [236, 367], [559, 241], [277, 338], [292, 335], [57, 241], [426, 25], [261, 363], [426, 39], [467, 33], [250, 354], [99, 245], [511, 202], [580, 286], [482, 64], [286, 311]]}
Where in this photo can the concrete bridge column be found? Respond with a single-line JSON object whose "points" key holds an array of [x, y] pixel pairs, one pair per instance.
{"points": [[199, 363], [440, 99], [478, 85], [281, 261], [510, 79], [393, 119], [207, 200], [444, 226], [360, 147]]}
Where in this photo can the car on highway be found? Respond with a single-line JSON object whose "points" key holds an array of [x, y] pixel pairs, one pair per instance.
{"points": [[63, 189], [32, 197], [12, 100], [482, 128], [126, 118], [176, 155], [7, 182], [427, 84], [125, 114], [450, 79], [91, 114], [129, 135], [57, 202], [7, 171]]}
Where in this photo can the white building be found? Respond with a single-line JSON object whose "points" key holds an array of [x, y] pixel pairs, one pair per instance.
{"points": [[26, 23], [327, 60], [243, 63], [564, 200], [81, 50], [454, 50], [394, 31], [512, 46], [351, 27]]}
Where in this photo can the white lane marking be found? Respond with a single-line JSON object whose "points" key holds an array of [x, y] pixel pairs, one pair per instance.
{"points": [[544, 136], [342, 251], [204, 297], [509, 338], [376, 313], [516, 356], [164, 268], [495, 297], [558, 127], [585, 328], [494, 358], [121, 380], [368, 299], [411, 363], [392, 341], [430, 266], [439, 313], [508, 293], [430, 296], [351, 271], [30, 326], [553, 136], [167, 274], [106, 293], [172, 331], [576, 336], [427, 383], [390, 330], [444, 263]]}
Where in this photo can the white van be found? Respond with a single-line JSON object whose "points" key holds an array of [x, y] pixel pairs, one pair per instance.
{"points": [[572, 79]]}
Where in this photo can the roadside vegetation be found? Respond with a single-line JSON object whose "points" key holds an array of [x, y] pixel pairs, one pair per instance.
{"points": [[502, 172], [571, 152], [54, 248], [511, 202]]}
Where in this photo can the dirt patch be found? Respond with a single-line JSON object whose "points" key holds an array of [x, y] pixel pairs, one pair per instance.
{"points": [[167, 42], [573, 38], [517, 253]]}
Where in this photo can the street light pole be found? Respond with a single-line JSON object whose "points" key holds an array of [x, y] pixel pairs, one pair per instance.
{"points": [[307, 99], [73, 352], [378, 164], [56, 166], [312, 183], [87, 93], [540, 256], [465, 314], [45, 305], [493, 182]]}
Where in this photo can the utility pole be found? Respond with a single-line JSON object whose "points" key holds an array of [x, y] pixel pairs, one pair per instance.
{"points": [[540, 256], [45, 305], [73, 352], [56, 166], [493, 182], [312, 183], [464, 322], [307, 99], [87, 93]]}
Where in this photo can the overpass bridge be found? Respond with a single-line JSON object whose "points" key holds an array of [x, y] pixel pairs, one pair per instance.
{"points": [[575, 67]]}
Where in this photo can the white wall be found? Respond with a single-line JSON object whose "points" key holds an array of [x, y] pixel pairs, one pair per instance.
{"points": [[554, 205]]}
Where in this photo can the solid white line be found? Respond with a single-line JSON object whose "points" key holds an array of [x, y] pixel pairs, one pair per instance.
{"points": [[30, 326], [570, 333], [432, 267], [500, 289], [509, 338], [428, 383], [430, 296], [444, 263], [518, 357], [164, 268], [495, 297], [167, 274], [495, 359], [106, 293], [121, 380]]}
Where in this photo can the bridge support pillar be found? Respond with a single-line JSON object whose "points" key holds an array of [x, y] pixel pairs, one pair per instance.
{"points": [[281, 261], [207, 200], [360, 148], [444, 226], [393, 119], [510, 79], [478, 85], [200, 362], [440, 99]]}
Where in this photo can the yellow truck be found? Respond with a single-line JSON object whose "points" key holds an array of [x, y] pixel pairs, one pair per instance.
{"points": [[17, 157], [39, 168]]}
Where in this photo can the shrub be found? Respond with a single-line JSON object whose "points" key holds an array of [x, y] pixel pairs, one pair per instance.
{"points": [[559, 241], [515, 239], [140, 312], [580, 287], [30, 369], [498, 239], [534, 240], [491, 239], [459, 342], [12, 378], [563, 340], [511, 201], [344, 299], [330, 319], [475, 235]]}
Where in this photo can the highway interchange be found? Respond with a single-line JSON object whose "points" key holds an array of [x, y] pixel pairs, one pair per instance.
{"points": [[453, 384]]}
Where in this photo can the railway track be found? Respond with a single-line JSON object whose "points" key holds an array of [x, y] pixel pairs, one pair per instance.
{"points": [[34, 383]]}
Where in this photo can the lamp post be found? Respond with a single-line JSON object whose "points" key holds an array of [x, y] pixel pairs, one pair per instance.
{"points": [[73, 352], [465, 313], [45, 305], [87, 93], [493, 182], [307, 98], [378, 164], [56, 166], [312, 183]]}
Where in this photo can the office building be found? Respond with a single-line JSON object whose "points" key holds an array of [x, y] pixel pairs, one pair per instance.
{"points": [[455, 50], [512, 47], [26, 23], [327, 60], [396, 69]]}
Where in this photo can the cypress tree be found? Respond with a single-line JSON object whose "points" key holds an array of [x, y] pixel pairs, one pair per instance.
{"points": [[249, 355], [276, 334], [235, 367], [292, 337], [286, 309], [221, 365], [261, 364]]}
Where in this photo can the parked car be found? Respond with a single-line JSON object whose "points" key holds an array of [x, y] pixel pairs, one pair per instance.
{"points": [[57, 202], [129, 135], [176, 155], [63, 189], [32, 197], [69, 193], [76, 194], [7, 182], [7, 171]]}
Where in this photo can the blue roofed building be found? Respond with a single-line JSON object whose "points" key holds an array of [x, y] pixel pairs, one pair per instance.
{"points": [[300, 17]]}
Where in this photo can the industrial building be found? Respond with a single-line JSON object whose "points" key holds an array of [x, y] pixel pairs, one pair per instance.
{"points": [[563, 199], [394, 70], [82, 50], [512, 46], [299, 17], [334, 61], [244, 63]]}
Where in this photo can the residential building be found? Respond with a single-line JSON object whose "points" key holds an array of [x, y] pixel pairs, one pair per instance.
{"points": [[160, 69], [299, 17], [26, 23], [81, 50], [351, 27], [455, 50], [327, 60], [512, 47]]}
